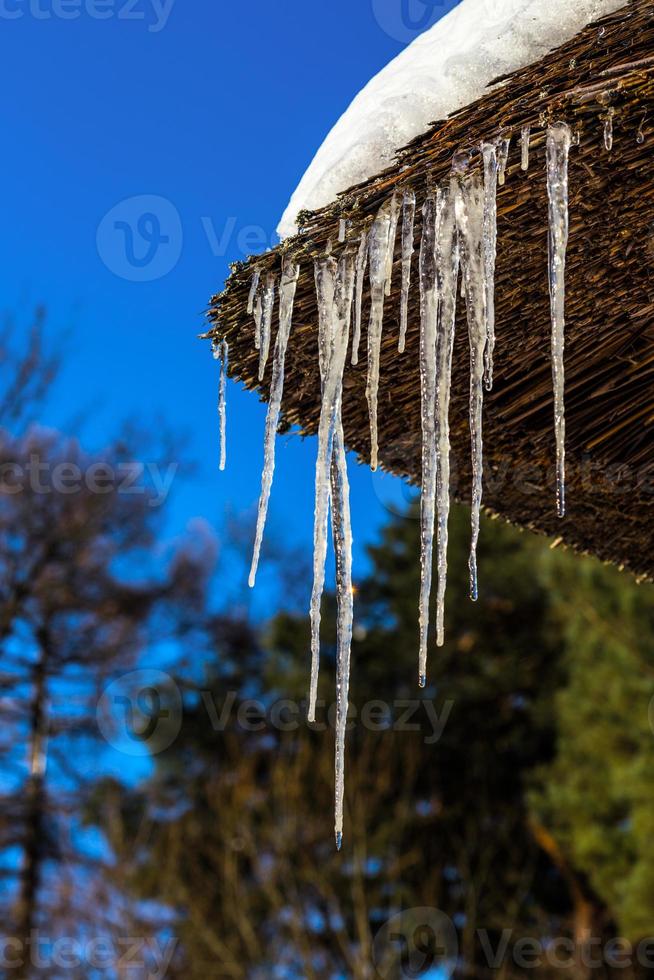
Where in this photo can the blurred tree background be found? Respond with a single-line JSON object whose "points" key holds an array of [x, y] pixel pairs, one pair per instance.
{"points": [[515, 794]]}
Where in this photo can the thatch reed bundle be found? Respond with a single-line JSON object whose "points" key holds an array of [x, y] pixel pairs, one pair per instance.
{"points": [[607, 69]]}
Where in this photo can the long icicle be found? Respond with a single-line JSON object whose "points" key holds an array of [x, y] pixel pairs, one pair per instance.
{"points": [[342, 537], [428, 320], [447, 271], [379, 251], [408, 222], [559, 138], [489, 155], [335, 291], [266, 322], [362, 261], [470, 224], [287, 289], [221, 351]]}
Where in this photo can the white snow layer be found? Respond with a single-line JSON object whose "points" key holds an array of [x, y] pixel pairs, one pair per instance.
{"points": [[444, 69]]}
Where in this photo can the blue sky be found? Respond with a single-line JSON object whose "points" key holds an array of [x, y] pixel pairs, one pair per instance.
{"points": [[216, 107]]}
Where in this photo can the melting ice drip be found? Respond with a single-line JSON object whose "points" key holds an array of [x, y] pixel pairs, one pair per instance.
{"points": [[608, 130], [525, 136], [559, 138], [459, 231], [221, 353]]}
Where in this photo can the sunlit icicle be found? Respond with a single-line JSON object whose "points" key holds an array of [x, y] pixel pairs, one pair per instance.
{"points": [[392, 235], [379, 252], [342, 537], [447, 271], [362, 261], [428, 321], [470, 223], [258, 318], [266, 322], [408, 223], [221, 352], [525, 136], [503, 159], [558, 152], [256, 277], [608, 130], [342, 229], [489, 154], [287, 289], [334, 291]]}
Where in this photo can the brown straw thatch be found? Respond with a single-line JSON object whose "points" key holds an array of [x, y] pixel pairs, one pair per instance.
{"points": [[608, 68]]}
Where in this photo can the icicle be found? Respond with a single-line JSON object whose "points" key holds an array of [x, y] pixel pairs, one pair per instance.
{"points": [[608, 130], [362, 261], [258, 317], [266, 323], [392, 235], [334, 290], [447, 271], [524, 143], [256, 277], [502, 160], [489, 154], [428, 318], [288, 286], [470, 223], [408, 222], [380, 248], [558, 151], [342, 230], [342, 537], [221, 352]]}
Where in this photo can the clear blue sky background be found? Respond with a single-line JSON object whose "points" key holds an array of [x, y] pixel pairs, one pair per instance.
{"points": [[219, 110]]}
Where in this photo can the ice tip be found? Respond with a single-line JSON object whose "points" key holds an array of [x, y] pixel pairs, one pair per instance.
{"points": [[339, 840], [251, 580], [422, 680]]}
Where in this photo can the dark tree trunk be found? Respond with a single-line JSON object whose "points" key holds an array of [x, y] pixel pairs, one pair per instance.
{"points": [[35, 808]]}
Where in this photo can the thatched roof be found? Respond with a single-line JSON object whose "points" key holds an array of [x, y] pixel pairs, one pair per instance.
{"points": [[610, 303]]}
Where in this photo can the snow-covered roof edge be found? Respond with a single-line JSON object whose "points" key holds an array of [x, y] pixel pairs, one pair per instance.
{"points": [[443, 70]]}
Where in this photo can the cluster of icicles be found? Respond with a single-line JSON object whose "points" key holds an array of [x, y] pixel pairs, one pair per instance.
{"points": [[459, 236]]}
